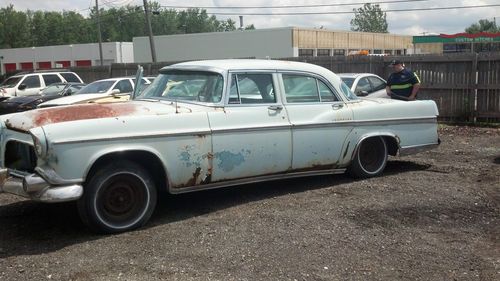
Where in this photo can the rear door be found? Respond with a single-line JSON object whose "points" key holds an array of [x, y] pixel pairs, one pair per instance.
{"points": [[320, 121]]}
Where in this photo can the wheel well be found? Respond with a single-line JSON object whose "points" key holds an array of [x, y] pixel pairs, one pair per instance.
{"points": [[392, 145], [143, 158]]}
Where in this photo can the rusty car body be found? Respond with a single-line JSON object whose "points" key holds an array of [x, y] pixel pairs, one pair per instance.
{"points": [[203, 125]]}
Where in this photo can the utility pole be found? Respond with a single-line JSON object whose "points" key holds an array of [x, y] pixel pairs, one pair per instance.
{"points": [[99, 31], [150, 31]]}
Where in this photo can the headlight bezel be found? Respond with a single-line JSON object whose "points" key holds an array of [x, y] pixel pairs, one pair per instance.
{"points": [[39, 142]]}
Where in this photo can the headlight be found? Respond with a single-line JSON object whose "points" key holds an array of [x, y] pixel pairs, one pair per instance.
{"points": [[39, 142]]}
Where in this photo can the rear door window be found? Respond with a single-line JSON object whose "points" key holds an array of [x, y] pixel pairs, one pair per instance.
{"points": [[299, 88]]}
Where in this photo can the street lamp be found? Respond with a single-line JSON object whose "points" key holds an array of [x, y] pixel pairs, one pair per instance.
{"points": [[70, 55], [34, 59]]}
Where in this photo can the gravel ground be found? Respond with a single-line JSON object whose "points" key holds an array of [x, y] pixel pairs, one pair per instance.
{"points": [[432, 216]]}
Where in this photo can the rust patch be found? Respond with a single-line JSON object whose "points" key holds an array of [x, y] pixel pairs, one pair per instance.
{"points": [[40, 117], [196, 174], [4, 175]]}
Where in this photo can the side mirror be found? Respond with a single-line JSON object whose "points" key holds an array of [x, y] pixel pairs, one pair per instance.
{"points": [[362, 93], [69, 92], [21, 87], [115, 91]]}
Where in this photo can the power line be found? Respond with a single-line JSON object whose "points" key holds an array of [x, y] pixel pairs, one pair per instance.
{"points": [[291, 6], [351, 12]]}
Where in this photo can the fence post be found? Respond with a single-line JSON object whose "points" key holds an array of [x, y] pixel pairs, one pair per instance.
{"points": [[475, 72]]}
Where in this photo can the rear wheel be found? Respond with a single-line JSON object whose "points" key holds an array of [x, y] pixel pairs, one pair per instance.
{"points": [[119, 197], [370, 158]]}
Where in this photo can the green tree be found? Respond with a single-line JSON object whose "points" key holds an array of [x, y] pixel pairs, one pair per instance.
{"points": [[15, 31], [483, 25], [369, 18], [43, 28]]}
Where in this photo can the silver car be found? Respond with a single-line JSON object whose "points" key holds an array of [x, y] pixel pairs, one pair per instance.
{"points": [[365, 84]]}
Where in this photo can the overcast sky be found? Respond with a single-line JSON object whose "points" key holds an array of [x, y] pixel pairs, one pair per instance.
{"points": [[406, 23]]}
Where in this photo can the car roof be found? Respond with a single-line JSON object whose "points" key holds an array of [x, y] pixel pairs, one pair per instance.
{"points": [[247, 64], [112, 79], [355, 75]]}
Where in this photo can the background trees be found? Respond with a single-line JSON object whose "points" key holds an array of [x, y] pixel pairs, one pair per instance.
{"points": [[369, 18], [483, 25], [42, 28]]}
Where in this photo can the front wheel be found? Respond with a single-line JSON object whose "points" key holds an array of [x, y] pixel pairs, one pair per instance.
{"points": [[119, 197], [370, 158]]}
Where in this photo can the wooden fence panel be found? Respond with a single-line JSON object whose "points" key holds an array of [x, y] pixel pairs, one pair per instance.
{"points": [[488, 89]]}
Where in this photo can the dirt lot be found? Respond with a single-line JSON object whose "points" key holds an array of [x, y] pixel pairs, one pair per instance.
{"points": [[433, 216]]}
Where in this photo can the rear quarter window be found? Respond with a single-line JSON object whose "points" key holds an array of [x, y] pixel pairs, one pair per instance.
{"points": [[51, 79], [70, 77]]}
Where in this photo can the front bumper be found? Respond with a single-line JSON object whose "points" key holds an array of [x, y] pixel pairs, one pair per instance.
{"points": [[34, 187]]}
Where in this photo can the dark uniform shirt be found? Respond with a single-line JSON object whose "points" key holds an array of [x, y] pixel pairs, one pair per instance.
{"points": [[401, 83]]}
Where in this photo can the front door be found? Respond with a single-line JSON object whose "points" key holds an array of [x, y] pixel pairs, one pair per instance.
{"points": [[251, 136]]}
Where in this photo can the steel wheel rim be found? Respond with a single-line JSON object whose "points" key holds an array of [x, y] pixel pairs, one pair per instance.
{"points": [[122, 200]]}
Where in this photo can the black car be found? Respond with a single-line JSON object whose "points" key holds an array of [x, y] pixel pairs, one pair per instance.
{"points": [[54, 91]]}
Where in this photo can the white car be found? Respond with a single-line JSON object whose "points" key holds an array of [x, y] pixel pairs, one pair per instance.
{"points": [[195, 128], [106, 90], [365, 84], [32, 83]]}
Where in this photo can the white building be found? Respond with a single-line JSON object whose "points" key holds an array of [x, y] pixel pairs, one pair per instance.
{"points": [[273, 43], [65, 56]]}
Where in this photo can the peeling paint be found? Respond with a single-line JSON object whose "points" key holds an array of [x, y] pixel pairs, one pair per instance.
{"points": [[41, 117], [228, 160]]}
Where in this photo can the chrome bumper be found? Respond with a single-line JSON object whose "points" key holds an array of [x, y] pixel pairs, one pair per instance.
{"points": [[34, 187]]}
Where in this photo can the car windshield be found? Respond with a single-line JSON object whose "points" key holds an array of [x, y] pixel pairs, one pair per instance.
{"points": [[52, 90], [96, 87], [11, 82], [348, 81], [196, 86]]}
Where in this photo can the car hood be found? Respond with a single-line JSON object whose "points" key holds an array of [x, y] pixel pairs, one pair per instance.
{"points": [[23, 99], [25, 121]]}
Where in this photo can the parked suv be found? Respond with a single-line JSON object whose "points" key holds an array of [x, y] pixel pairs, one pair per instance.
{"points": [[26, 84]]}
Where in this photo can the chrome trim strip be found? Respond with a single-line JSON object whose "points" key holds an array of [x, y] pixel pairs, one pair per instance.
{"points": [[254, 180], [391, 121], [159, 135], [414, 149]]}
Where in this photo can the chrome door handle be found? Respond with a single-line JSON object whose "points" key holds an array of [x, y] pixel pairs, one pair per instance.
{"points": [[337, 106], [275, 107]]}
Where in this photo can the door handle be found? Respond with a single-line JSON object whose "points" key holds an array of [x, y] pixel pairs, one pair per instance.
{"points": [[275, 107], [337, 106]]}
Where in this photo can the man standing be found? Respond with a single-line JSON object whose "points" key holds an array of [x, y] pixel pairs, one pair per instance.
{"points": [[402, 84]]}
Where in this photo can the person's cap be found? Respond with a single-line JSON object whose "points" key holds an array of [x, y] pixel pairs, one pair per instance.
{"points": [[394, 62]]}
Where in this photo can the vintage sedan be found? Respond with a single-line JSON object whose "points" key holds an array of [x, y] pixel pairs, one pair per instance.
{"points": [[203, 125]]}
